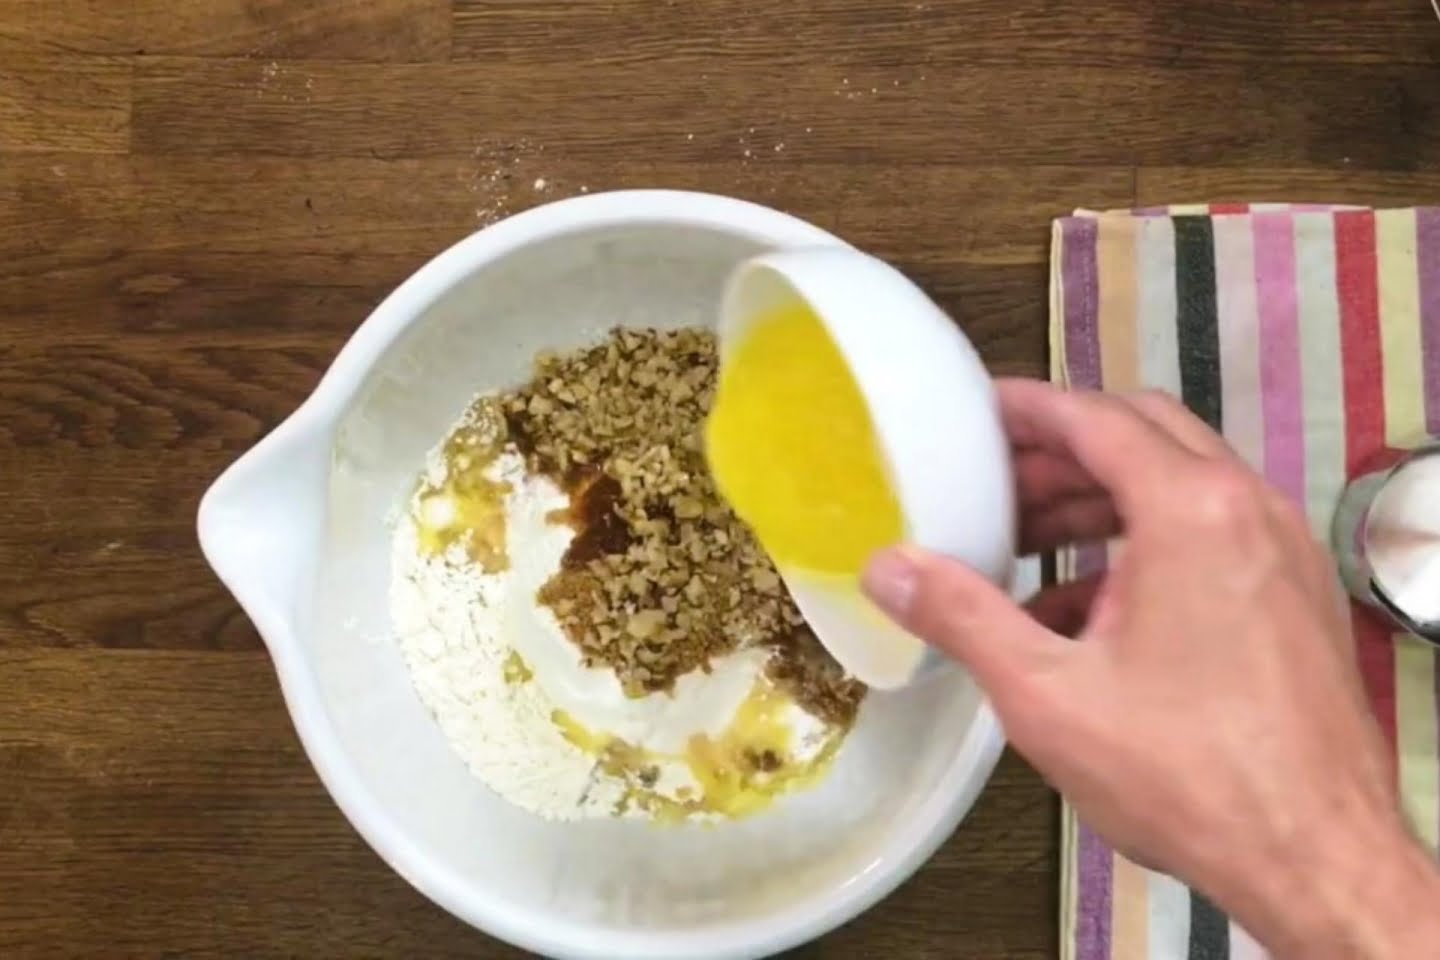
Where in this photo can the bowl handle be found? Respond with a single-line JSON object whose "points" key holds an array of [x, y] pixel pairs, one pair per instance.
{"points": [[261, 525]]}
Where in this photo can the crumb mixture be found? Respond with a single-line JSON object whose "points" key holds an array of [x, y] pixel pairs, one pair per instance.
{"points": [[510, 691], [594, 631], [661, 576]]}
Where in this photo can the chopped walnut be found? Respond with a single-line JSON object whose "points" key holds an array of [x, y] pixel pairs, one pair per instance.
{"points": [[805, 670], [661, 575]]}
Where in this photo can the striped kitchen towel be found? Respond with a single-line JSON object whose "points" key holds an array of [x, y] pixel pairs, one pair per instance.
{"points": [[1311, 337]]}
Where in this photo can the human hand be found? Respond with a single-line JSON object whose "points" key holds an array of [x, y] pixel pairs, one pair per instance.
{"points": [[1211, 721]]}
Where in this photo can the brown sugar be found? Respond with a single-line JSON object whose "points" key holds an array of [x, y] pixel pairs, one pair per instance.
{"points": [[599, 530], [661, 576]]}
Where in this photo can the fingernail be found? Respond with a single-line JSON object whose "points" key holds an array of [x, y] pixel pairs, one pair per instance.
{"points": [[890, 580]]}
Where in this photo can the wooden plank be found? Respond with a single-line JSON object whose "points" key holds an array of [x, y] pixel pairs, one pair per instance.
{"points": [[154, 248], [728, 34], [80, 104], [125, 608], [160, 246], [1381, 117], [295, 208], [1164, 185], [149, 792], [298, 206], [368, 30], [165, 793], [166, 693]]}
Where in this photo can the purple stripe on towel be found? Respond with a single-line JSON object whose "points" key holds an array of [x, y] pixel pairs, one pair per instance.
{"points": [[1092, 921], [1081, 278], [1427, 228], [1080, 275], [1282, 399]]}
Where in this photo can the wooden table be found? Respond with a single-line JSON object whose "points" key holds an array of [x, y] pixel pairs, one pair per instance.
{"points": [[200, 200]]}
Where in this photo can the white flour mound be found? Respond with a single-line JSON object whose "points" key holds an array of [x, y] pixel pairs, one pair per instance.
{"points": [[447, 615]]}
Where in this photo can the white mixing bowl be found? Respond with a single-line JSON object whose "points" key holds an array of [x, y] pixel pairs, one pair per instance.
{"points": [[297, 529]]}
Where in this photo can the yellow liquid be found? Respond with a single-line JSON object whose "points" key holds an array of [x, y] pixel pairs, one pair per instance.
{"points": [[737, 774], [793, 449], [515, 670], [469, 507]]}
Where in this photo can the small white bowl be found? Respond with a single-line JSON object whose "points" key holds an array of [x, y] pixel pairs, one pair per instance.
{"points": [[935, 416], [297, 529]]}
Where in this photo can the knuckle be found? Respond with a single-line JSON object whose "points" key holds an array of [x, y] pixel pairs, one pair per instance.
{"points": [[1224, 494], [1152, 400], [1113, 414]]}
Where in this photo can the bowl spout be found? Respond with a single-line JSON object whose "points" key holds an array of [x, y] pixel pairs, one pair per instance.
{"points": [[261, 524]]}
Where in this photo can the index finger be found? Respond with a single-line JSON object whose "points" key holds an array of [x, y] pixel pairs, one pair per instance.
{"points": [[1127, 454]]}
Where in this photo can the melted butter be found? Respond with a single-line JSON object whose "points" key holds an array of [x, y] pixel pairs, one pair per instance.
{"points": [[468, 508], [515, 670], [794, 450], [737, 774], [578, 734]]}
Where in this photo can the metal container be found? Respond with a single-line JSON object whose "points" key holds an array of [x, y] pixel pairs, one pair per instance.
{"points": [[1387, 540]]}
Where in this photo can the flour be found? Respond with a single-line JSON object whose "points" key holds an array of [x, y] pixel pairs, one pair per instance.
{"points": [[461, 629], [515, 697], [447, 616]]}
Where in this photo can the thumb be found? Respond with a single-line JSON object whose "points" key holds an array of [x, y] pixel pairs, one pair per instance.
{"points": [[959, 612]]}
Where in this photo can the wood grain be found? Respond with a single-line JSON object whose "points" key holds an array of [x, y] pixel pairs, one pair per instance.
{"points": [[76, 104], [939, 35], [371, 30], [1365, 188], [200, 201], [1376, 115], [211, 829]]}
